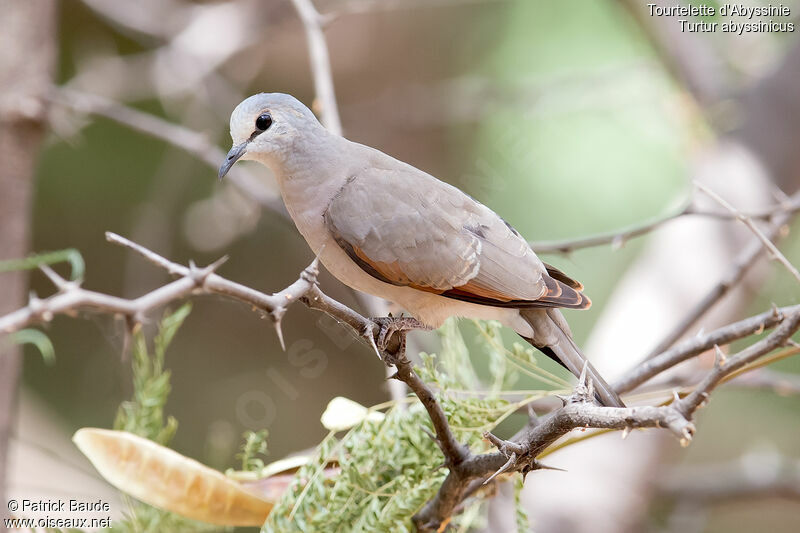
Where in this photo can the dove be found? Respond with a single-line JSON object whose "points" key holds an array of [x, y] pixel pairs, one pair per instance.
{"points": [[386, 228]]}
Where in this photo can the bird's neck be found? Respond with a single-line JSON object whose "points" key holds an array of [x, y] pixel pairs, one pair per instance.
{"points": [[309, 178]]}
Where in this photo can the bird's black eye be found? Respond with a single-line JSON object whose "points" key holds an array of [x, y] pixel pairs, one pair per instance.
{"points": [[263, 122]]}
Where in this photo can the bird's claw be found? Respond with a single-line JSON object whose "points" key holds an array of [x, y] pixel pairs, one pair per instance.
{"points": [[391, 347]]}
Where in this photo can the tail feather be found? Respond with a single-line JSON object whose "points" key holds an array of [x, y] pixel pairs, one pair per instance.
{"points": [[571, 357], [566, 352]]}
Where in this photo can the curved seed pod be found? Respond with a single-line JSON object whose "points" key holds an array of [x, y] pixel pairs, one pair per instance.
{"points": [[166, 479]]}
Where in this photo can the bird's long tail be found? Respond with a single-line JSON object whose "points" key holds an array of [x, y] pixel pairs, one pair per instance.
{"points": [[551, 327]]}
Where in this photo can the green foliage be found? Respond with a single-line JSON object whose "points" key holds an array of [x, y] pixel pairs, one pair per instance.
{"points": [[34, 336], [507, 364], [70, 255], [378, 474], [144, 414], [143, 518], [455, 355], [504, 377], [374, 478], [38, 339], [523, 522], [255, 444]]}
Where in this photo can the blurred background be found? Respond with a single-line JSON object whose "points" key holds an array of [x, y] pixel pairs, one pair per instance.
{"points": [[569, 119]]}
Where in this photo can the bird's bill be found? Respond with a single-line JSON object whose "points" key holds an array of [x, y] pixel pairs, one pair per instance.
{"points": [[233, 156]]}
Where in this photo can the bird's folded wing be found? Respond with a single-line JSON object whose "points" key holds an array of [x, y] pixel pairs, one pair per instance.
{"points": [[407, 228]]}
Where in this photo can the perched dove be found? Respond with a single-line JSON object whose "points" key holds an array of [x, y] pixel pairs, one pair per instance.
{"points": [[386, 228]]}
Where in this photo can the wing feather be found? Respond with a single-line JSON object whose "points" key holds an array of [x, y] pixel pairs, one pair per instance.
{"points": [[553, 272], [406, 228]]}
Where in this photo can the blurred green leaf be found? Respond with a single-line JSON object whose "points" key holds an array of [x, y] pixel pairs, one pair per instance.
{"points": [[144, 414], [39, 340], [255, 444], [69, 255]]}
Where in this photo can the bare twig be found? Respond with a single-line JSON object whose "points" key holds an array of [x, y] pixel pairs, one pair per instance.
{"points": [[193, 280], [454, 452], [747, 221], [190, 141], [537, 439], [781, 383], [692, 347], [721, 369], [620, 237], [320, 64], [615, 238], [741, 265]]}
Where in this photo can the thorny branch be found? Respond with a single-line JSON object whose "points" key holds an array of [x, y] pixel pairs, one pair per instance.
{"points": [[387, 336], [740, 266], [618, 238], [320, 65], [519, 453], [748, 221], [694, 346], [71, 297]]}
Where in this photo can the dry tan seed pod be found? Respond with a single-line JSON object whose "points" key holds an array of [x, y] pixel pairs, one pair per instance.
{"points": [[166, 479]]}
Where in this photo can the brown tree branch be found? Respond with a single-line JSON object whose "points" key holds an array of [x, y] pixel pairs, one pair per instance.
{"points": [[383, 334], [192, 142], [747, 221], [320, 65], [781, 383], [192, 280], [741, 265], [694, 346], [519, 454], [724, 367], [387, 337], [620, 237]]}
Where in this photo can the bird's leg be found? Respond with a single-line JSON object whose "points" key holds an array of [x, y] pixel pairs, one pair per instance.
{"points": [[391, 336]]}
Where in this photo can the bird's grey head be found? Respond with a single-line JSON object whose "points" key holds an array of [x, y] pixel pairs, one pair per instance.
{"points": [[266, 125]]}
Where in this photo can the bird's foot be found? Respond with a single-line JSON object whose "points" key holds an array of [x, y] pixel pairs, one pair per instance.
{"points": [[391, 336]]}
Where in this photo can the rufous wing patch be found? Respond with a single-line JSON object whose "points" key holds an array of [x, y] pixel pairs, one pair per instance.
{"points": [[559, 294], [476, 290], [390, 273], [561, 290]]}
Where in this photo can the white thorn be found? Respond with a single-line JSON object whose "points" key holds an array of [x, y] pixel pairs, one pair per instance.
{"points": [[719, 359], [279, 332]]}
